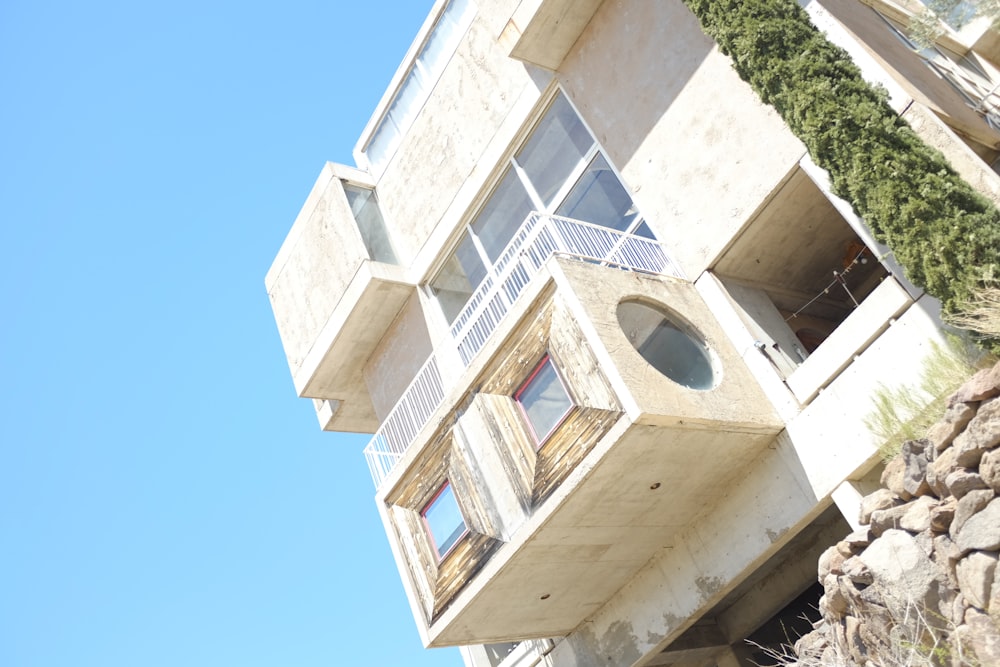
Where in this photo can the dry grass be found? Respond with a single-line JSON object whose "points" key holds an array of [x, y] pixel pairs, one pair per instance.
{"points": [[906, 412], [908, 641], [981, 315]]}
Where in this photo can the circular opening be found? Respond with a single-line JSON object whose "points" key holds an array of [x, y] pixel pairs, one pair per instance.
{"points": [[668, 344]]}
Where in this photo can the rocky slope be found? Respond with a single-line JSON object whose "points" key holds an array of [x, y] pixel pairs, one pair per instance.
{"points": [[919, 583]]}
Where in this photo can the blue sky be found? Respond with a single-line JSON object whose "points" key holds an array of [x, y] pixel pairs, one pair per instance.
{"points": [[165, 499]]}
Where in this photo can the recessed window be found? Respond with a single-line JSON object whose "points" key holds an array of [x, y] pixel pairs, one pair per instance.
{"points": [[544, 400], [669, 345], [444, 521]]}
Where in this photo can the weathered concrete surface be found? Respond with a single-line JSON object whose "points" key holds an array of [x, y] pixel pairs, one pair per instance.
{"points": [[678, 122]]}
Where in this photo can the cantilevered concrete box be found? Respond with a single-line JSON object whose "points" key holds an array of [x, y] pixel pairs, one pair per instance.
{"points": [[562, 527], [332, 302]]}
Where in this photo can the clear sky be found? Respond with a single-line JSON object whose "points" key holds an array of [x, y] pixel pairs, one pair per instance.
{"points": [[165, 499]]}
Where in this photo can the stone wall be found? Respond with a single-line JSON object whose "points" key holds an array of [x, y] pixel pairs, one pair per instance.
{"points": [[919, 582]]}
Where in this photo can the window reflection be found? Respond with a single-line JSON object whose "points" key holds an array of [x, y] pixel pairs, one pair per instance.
{"points": [[544, 400], [444, 520]]}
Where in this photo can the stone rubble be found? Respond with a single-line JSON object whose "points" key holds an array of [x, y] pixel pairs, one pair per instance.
{"points": [[920, 582]]}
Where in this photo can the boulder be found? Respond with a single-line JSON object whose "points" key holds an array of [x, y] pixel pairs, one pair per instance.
{"points": [[982, 637], [975, 572], [989, 469], [830, 562], [967, 506], [914, 516], [917, 517], [982, 530], [837, 600], [962, 480], [981, 386], [981, 435], [945, 555], [942, 515], [893, 475], [915, 459], [939, 469], [903, 574], [881, 499], [954, 421], [856, 570], [883, 520]]}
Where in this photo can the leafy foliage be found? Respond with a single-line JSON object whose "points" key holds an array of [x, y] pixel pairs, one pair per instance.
{"points": [[945, 234]]}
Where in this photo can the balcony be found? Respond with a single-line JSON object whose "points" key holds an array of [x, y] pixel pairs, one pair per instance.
{"points": [[557, 523], [332, 299], [538, 238]]}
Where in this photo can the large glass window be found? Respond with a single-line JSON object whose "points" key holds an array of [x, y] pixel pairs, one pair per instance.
{"points": [[559, 170], [444, 521], [510, 201], [457, 280], [544, 400], [419, 81]]}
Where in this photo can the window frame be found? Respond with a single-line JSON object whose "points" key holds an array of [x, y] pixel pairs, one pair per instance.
{"points": [[510, 165], [427, 525], [541, 440]]}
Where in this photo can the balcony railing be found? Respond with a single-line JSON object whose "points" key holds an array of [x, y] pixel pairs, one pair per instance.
{"points": [[538, 238]]}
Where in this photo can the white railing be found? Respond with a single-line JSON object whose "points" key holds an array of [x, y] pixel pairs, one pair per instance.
{"points": [[408, 416], [540, 237], [537, 239]]}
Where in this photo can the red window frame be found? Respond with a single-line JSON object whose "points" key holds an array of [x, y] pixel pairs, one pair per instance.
{"points": [[539, 441], [427, 524]]}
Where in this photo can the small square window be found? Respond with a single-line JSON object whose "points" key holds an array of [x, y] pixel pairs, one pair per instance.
{"points": [[444, 521], [544, 400]]}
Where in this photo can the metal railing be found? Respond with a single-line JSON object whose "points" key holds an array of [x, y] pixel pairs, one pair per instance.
{"points": [[537, 239], [408, 416]]}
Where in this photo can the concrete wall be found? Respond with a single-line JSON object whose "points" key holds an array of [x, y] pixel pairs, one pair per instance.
{"points": [[447, 140], [317, 261], [680, 121], [401, 353]]}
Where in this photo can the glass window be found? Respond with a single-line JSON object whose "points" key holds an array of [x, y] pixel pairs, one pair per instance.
{"points": [[544, 400], [560, 171], [555, 149], [443, 520], [459, 278], [667, 345], [420, 79], [599, 198], [506, 209], [364, 206]]}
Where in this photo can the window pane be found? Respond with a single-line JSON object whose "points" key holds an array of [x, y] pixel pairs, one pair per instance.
{"points": [[459, 278], [556, 146], [666, 345], [599, 198], [544, 400], [444, 520], [364, 206], [446, 35], [506, 209]]}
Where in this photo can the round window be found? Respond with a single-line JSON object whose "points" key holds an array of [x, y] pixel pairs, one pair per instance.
{"points": [[668, 344]]}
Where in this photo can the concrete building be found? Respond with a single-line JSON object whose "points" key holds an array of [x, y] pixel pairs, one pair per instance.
{"points": [[613, 335]]}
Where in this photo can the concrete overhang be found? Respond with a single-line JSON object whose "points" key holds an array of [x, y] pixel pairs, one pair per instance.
{"points": [[542, 32], [333, 367], [332, 303], [665, 459], [625, 503]]}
